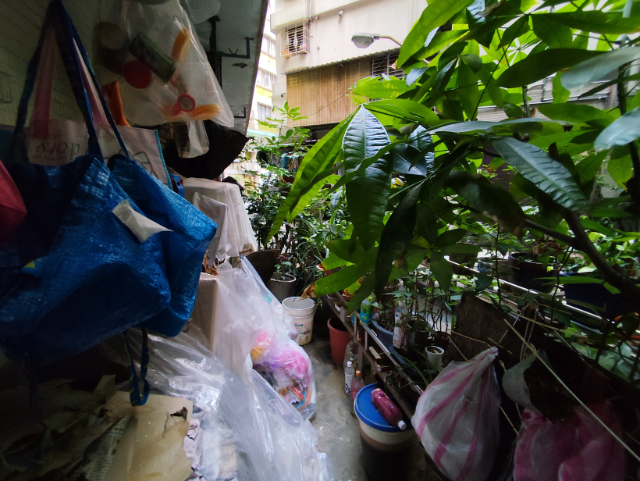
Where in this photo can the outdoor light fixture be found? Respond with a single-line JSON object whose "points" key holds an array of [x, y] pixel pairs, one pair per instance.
{"points": [[364, 40]]}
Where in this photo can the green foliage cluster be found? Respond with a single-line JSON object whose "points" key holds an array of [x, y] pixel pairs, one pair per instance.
{"points": [[462, 55]]}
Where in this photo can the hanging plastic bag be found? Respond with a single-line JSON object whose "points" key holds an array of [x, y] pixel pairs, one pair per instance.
{"points": [[73, 273], [59, 141], [12, 209], [576, 449], [162, 69], [248, 431], [457, 418], [191, 138]]}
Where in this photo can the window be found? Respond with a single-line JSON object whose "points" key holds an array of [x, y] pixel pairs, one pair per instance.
{"points": [[386, 65], [269, 46], [295, 40], [264, 111], [265, 79]]}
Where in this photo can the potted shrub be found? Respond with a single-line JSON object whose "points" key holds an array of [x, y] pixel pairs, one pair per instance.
{"points": [[282, 284]]}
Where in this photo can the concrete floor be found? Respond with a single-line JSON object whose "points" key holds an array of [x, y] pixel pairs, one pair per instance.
{"points": [[337, 426]]}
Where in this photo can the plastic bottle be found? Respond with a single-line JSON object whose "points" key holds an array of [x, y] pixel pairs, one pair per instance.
{"points": [[389, 411], [350, 352], [398, 333], [366, 310], [348, 377], [356, 384]]}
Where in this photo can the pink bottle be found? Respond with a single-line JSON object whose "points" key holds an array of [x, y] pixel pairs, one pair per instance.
{"points": [[356, 384], [389, 411]]}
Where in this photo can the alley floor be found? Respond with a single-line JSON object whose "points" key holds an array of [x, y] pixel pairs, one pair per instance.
{"points": [[337, 425]]}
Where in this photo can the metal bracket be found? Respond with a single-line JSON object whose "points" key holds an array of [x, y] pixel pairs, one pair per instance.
{"points": [[235, 55], [244, 116]]}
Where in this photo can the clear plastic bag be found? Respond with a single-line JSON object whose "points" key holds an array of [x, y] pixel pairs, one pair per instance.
{"points": [[244, 325], [576, 449], [248, 431], [191, 138], [457, 418], [162, 69]]}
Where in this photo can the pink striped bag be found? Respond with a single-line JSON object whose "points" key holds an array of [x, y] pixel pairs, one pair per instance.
{"points": [[457, 418]]}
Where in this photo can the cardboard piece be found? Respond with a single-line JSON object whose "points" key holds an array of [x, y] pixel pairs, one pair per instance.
{"points": [[151, 447]]}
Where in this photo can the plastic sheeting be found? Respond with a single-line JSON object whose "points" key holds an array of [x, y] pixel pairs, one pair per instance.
{"points": [[248, 432], [236, 316], [239, 227], [222, 246]]}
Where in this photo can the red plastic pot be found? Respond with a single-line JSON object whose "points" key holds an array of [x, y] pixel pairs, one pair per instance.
{"points": [[340, 337]]}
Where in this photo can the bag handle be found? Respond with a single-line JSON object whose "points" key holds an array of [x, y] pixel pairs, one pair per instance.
{"points": [[135, 397], [69, 43]]}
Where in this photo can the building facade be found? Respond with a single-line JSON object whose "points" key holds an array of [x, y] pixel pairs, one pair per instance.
{"points": [[261, 106], [317, 62]]}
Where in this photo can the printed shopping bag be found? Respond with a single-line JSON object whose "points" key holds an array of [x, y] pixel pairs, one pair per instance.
{"points": [[457, 418], [59, 141]]}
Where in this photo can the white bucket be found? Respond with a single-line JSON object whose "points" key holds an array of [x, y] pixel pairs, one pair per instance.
{"points": [[301, 311]]}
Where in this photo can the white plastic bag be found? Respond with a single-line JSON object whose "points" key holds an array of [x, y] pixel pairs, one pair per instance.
{"points": [[457, 418], [161, 67], [248, 431]]}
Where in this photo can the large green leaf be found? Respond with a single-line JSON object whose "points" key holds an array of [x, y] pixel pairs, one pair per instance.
{"points": [[439, 41], [435, 15], [518, 28], [575, 113], [468, 90], [596, 21], [405, 109], [378, 88], [624, 130], [317, 159], [484, 125], [341, 279], [442, 270], [427, 224], [416, 156], [560, 94], [333, 262], [489, 199], [536, 166], [396, 235], [367, 198], [490, 84], [542, 64], [594, 69], [588, 167], [364, 137], [621, 169], [484, 33], [551, 32], [442, 79], [361, 294]]}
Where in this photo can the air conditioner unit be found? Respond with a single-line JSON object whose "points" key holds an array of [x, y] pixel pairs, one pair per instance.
{"points": [[294, 40]]}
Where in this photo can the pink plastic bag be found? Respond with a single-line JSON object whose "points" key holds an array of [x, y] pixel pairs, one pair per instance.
{"points": [[578, 449], [457, 418]]}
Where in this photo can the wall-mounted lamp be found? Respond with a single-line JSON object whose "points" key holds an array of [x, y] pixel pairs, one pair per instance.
{"points": [[364, 40]]}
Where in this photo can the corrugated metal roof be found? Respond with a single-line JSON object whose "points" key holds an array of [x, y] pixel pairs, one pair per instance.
{"points": [[358, 57]]}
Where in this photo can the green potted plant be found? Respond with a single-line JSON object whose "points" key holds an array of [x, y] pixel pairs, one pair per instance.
{"points": [[282, 284]]}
